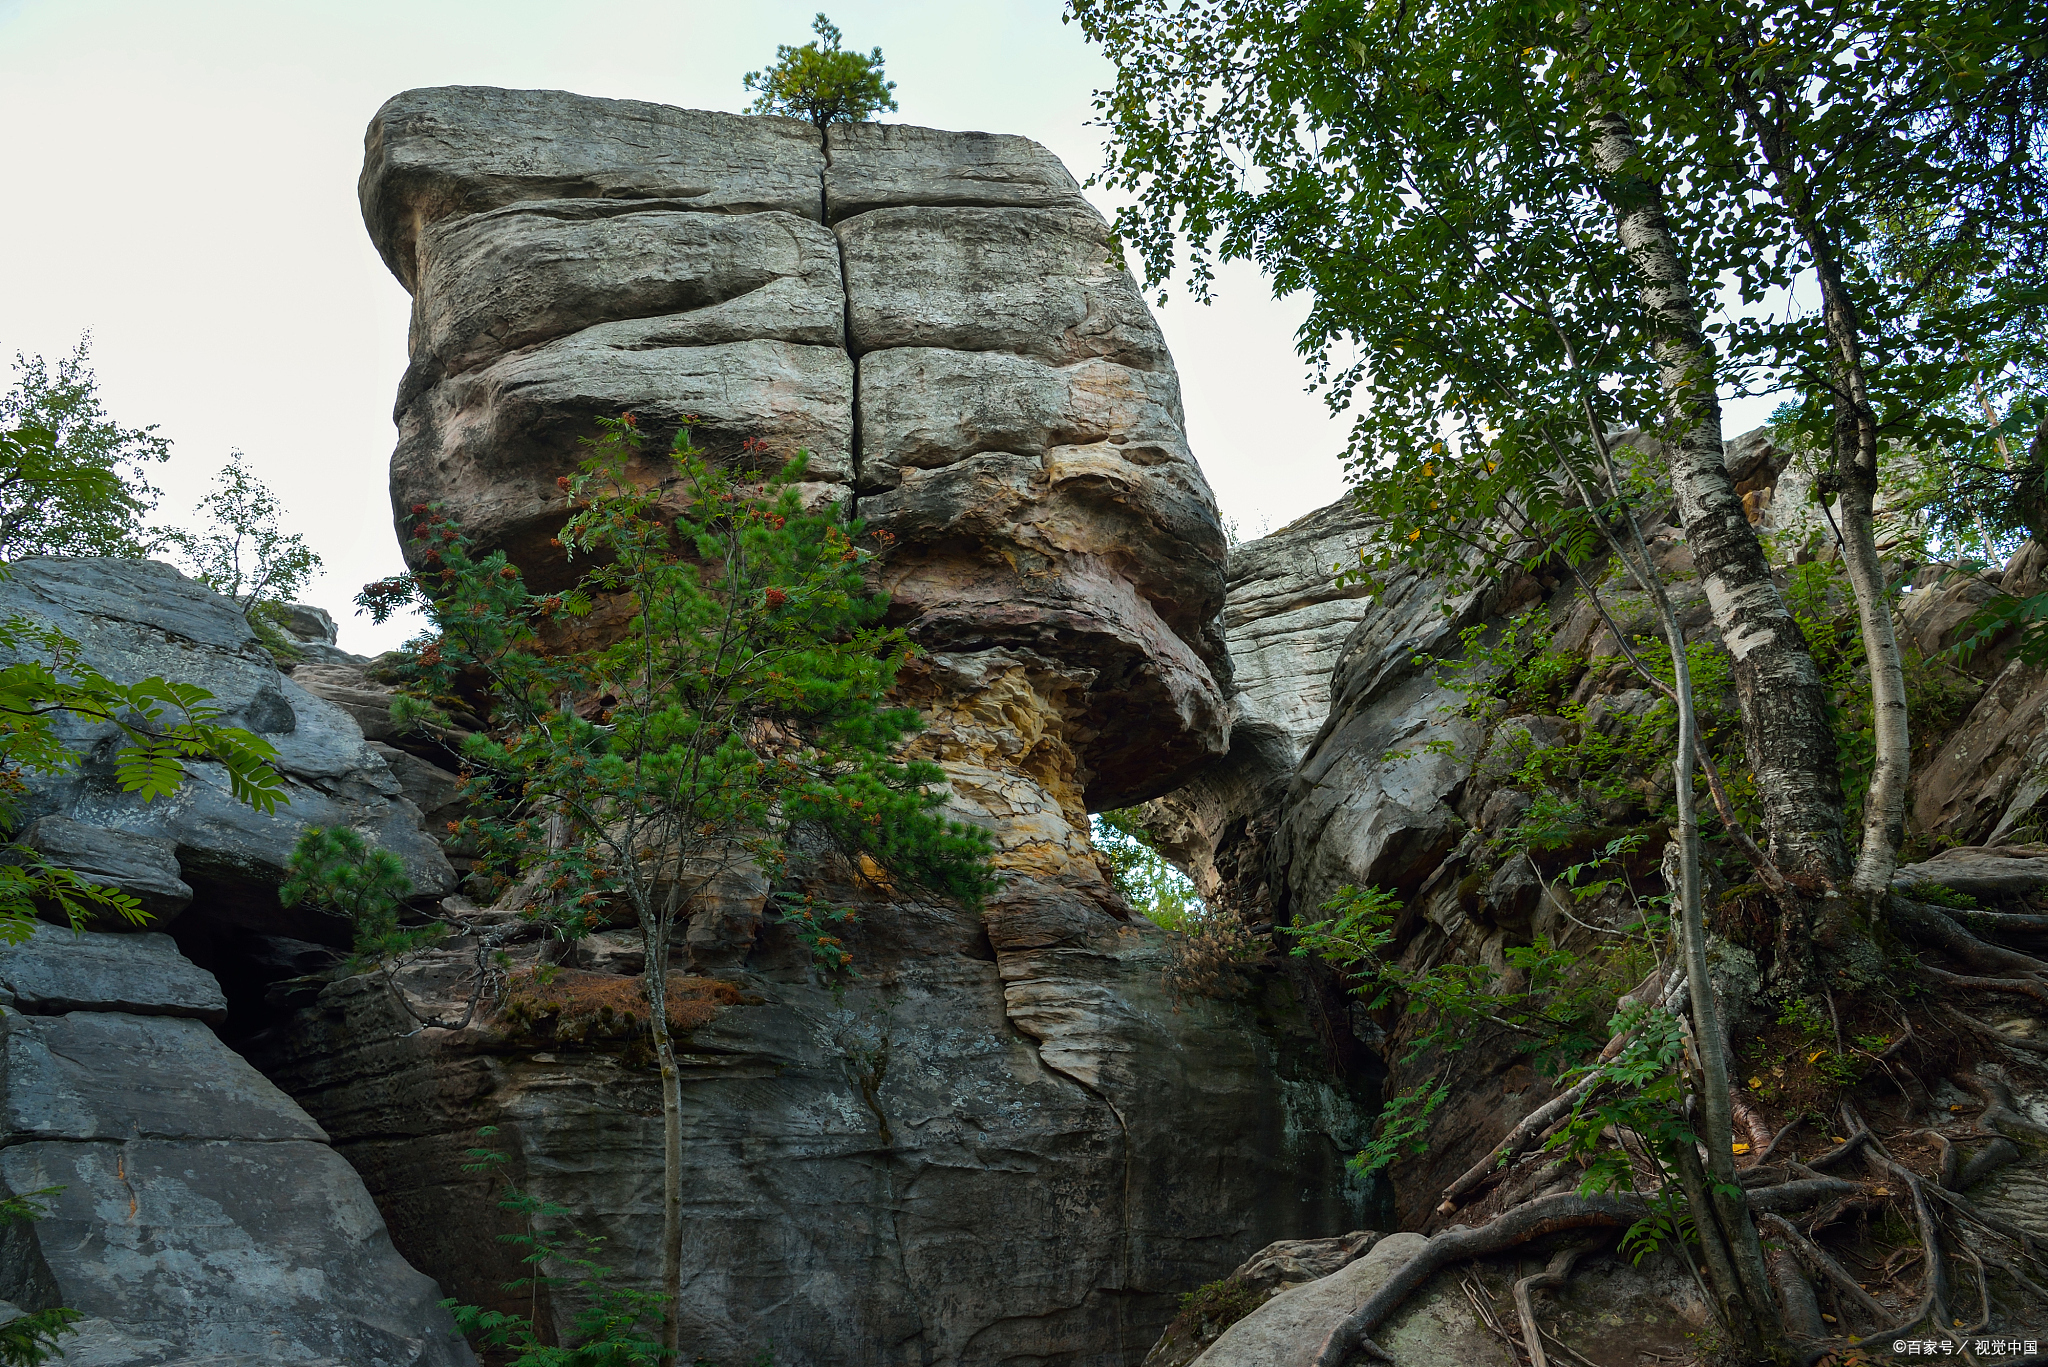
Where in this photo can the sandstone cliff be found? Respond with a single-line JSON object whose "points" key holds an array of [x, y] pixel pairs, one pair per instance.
{"points": [[1005, 1141], [194, 1211]]}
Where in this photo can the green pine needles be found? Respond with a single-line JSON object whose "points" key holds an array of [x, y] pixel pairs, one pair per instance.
{"points": [[340, 872], [821, 81], [730, 692]]}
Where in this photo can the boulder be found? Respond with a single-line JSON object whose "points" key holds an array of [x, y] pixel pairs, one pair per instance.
{"points": [[193, 1211], [106, 1075], [652, 260], [57, 970], [527, 274], [1289, 1329], [135, 618], [491, 442], [1992, 771], [977, 1150], [144, 867], [1275, 1268], [251, 1251]]}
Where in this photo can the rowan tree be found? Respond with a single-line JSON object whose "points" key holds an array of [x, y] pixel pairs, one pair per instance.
{"points": [[741, 698], [72, 480]]}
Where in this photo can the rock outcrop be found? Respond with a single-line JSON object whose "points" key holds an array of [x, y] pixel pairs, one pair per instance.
{"points": [[200, 848], [1005, 1140], [193, 1211], [1371, 769]]}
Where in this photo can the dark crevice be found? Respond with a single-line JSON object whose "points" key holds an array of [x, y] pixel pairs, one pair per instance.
{"points": [[852, 355]]}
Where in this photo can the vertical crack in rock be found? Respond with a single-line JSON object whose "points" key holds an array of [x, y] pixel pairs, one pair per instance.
{"points": [[846, 291], [867, 1060], [1058, 557]]}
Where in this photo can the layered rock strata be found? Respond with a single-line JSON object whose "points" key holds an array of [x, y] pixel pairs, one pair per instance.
{"points": [[1004, 1141], [1385, 777], [935, 318], [199, 847], [193, 1211]]}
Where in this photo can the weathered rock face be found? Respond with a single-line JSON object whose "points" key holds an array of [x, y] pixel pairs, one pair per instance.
{"points": [[1380, 775], [1286, 619], [200, 1213], [134, 618], [1005, 1141], [935, 317]]}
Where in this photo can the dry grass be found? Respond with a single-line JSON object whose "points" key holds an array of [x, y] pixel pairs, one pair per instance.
{"points": [[569, 1007]]}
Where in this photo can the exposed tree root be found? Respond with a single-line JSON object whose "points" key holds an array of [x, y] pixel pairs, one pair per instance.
{"points": [[1931, 926], [1818, 1259], [1856, 1140], [1549, 1279], [1517, 1139], [1545, 1215], [1778, 1139], [2019, 1278], [1534, 1124], [2017, 987], [1802, 1194], [1999, 1108], [1933, 1305], [1750, 1117], [1798, 1307], [2016, 1041], [1993, 1156], [2007, 921], [1951, 1160], [1906, 1177]]}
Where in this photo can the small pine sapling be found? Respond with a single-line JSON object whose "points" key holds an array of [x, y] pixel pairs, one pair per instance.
{"points": [[821, 81]]}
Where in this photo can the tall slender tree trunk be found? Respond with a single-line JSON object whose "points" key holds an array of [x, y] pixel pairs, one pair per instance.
{"points": [[1728, 1237], [1784, 718], [1855, 451], [1855, 443], [656, 929]]}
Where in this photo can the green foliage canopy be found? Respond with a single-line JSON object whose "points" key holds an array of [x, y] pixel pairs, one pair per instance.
{"points": [[744, 700], [1143, 876], [338, 871], [1422, 172], [241, 552], [72, 480], [821, 81]]}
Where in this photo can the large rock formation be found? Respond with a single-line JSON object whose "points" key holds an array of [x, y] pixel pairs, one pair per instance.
{"points": [[935, 318], [194, 1213], [198, 1213], [1004, 1141], [1356, 758]]}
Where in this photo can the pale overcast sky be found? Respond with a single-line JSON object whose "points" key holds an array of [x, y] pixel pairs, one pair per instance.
{"points": [[181, 180]]}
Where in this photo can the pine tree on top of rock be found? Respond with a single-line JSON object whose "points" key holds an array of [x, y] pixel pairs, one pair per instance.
{"points": [[822, 81]]}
